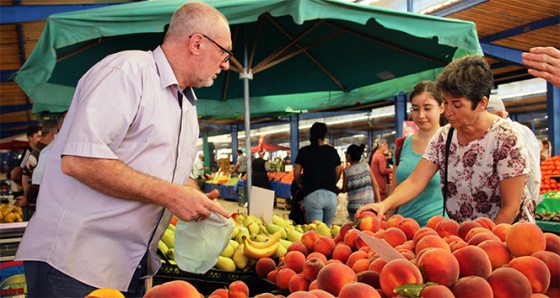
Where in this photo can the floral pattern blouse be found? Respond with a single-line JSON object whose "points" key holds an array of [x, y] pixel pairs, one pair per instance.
{"points": [[476, 168]]}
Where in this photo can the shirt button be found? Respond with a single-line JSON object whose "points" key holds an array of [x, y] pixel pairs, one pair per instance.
{"points": [[139, 266]]}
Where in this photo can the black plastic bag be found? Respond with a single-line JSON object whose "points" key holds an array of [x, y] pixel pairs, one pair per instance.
{"points": [[297, 214]]}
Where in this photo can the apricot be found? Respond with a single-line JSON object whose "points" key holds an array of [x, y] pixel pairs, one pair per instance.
{"points": [[500, 230], [525, 238], [397, 273], [358, 290], [294, 260], [472, 286], [431, 241], [535, 270], [264, 265], [473, 261], [436, 291], [447, 227], [283, 277], [334, 276], [552, 243], [508, 282], [465, 227], [308, 239], [433, 221], [236, 289], [394, 236], [497, 252], [409, 226], [439, 265], [341, 252], [175, 288], [552, 261], [298, 282], [312, 267]]}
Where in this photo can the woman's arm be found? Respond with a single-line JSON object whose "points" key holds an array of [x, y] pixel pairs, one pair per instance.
{"points": [[376, 193], [344, 182], [297, 174], [511, 190]]}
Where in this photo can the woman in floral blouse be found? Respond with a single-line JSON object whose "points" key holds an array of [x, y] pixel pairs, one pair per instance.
{"points": [[487, 160]]}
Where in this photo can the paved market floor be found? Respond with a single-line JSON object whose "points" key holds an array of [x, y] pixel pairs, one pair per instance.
{"points": [[233, 206]]}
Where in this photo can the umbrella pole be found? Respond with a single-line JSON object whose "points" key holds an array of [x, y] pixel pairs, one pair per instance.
{"points": [[246, 76]]}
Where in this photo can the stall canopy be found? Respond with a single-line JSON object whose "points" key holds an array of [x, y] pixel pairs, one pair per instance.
{"points": [[302, 54]]}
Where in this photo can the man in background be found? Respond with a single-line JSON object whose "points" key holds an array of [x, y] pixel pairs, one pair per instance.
{"points": [[33, 136], [496, 107], [241, 164]]}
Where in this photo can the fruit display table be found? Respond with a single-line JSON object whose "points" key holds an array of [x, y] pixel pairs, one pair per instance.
{"points": [[228, 190], [280, 189], [547, 212]]}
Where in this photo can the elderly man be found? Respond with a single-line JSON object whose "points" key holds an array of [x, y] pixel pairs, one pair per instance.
{"points": [[123, 157]]}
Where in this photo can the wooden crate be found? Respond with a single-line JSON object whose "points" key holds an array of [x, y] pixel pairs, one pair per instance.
{"points": [[282, 203]]}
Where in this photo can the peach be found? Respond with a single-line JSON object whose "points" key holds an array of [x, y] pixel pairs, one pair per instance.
{"points": [[508, 282], [377, 265], [355, 256], [236, 289], [486, 222], [337, 239], [394, 220], [535, 270], [308, 239], [369, 277], [312, 267], [553, 292], [478, 238], [452, 238], [473, 261], [313, 285], [333, 261], [175, 288], [408, 244], [345, 228], [436, 291], [500, 230], [366, 248], [221, 293], [453, 246], [431, 241], [350, 239], [407, 253], [475, 231], [367, 214], [397, 273], [361, 265], [334, 276], [368, 223], [264, 265], [465, 227], [297, 245], [421, 233], [321, 294], [298, 282], [324, 245], [447, 227], [394, 236], [552, 243], [525, 238], [439, 265], [283, 277], [497, 252], [301, 294], [379, 234], [317, 255], [552, 261], [472, 286], [409, 226], [358, 290], [433, 222], [261, 295], [360, 243], [294, 260], [271, 276]]}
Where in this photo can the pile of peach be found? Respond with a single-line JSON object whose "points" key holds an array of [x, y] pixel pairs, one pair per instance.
{"points": [[444, 259]]}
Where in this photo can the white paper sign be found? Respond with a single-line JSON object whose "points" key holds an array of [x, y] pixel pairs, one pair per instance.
{"points": [[262, 203]]}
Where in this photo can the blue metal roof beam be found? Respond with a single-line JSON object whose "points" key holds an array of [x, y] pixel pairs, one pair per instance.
{"points": [[15, 108], [459, 6], [521, 29], [12, 14]]}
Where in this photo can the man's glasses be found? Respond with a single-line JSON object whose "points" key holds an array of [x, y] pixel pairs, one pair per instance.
{"points": [[229, 53]]}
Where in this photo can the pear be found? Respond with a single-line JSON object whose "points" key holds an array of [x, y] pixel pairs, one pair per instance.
{"points": [[239, 258], [171, 227], [272, 228], [168, 238], [253, 228], [294, 235], [280, 251], [248, 220], [260, 237], [226, 264], [233, 243], [239, 218], [277, 220], [234, 232], [255, 219], [335, 230], [285, 243], [228, 251], [243, 231], [171, 254], [323, 229]]}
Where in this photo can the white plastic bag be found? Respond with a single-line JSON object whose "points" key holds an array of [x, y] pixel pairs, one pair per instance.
{"points": [[199, 243]]}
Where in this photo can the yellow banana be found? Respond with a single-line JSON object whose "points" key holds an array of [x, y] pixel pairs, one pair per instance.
{"points": [[268, 243], [259, 253]]}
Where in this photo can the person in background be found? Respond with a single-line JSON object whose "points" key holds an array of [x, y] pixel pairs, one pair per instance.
{"points": [[544, 63], [199, 171], [29, 199], [33, 136], [546, 149], [427, 114], [496, 107], [389, 158], [241, 164], [487, 161], [379, 167], [114, 177], [259, 176], [321, 167], [40, 168], [358, 181]]}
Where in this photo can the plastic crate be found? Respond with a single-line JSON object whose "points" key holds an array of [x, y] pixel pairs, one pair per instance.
{"points": [[215, 279]]}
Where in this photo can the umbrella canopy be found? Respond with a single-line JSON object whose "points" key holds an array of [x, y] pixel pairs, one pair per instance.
{"points": [[303, 54]]}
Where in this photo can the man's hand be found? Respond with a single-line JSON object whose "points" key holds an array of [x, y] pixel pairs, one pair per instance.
{"points": [[544, 62]]}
